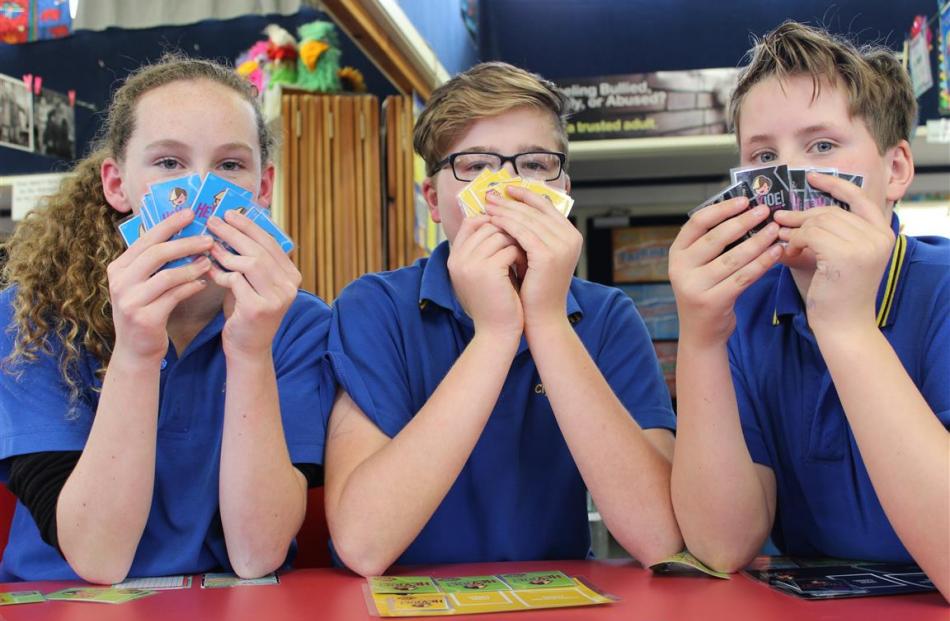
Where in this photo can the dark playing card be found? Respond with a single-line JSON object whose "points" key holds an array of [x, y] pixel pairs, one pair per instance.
{"points": [[822, 586], [856, 179], [818, 198], [866, 581], [769, 185], [733, 191], [797, 187]]}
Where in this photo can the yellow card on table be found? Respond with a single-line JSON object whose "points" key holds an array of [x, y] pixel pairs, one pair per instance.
{"points": [[509, 593]]}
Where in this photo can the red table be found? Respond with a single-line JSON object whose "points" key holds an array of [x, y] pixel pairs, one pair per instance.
{"points": [[336, 595]]}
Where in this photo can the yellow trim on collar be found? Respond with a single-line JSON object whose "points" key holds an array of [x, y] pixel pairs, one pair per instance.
{"points": [[893, 275], [775, 321]]}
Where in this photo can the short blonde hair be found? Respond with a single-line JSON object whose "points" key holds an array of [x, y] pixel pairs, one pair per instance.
{"points": [[878, 88], [485, 90]]}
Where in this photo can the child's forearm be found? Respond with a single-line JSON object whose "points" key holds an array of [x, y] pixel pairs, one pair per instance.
{"points": [[724, 502], [381, 492], [104, 505], [627, 474], [263, 497], [903, 444]]}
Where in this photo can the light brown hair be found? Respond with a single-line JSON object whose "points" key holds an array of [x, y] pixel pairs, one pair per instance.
{"points": [[878, 88], [58, 255], [485, 90]]}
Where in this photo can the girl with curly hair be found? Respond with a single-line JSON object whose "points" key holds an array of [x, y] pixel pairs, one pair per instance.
{"points": [[157, 422]]}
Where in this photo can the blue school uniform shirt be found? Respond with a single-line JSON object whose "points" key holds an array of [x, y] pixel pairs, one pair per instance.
{"points": [[793, 420], [183, 534], [519, 496]]}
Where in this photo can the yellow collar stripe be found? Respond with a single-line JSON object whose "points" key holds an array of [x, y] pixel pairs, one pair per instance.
{"points": [[897, 261]]}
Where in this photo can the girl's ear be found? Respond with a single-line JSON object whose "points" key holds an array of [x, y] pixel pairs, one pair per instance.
{"points": [[113, 187], [266, 193]]}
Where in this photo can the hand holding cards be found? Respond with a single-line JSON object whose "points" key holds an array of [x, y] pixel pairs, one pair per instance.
{"points": [[210, 197], [472, 197], [778, 187]]}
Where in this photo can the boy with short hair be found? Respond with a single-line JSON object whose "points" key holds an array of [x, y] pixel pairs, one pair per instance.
{"points": [[486, 388], [832, 432]]}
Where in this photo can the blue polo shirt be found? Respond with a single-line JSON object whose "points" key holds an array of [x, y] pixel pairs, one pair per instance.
{"points": [[395, 335], [183, 534], [793, 420]]}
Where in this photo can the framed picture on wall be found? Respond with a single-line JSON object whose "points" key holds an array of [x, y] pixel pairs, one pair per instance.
{"points": [[641, 253], [16, 114]]}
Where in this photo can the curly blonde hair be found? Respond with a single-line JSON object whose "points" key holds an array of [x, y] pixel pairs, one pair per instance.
{"points": [[58, 255]]}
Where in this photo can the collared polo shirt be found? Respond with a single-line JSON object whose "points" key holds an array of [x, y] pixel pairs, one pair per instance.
{"points": [[183, 534], [793, 420], [394, 337]]}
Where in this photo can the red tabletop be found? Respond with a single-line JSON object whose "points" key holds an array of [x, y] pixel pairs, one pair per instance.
{"points": [[336, 595]]}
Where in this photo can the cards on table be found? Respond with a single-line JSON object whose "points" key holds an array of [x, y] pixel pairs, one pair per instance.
{"points": [[685, 564], [100, 595], [228, 580], [472, 197], [778, 187], [161, 583], [210, 196], [21, 597], [834, 578], [409, 596]]}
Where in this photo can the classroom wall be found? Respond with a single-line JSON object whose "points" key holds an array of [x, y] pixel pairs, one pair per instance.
{"points": [[439, 22], [94, 63], [574, 38]]}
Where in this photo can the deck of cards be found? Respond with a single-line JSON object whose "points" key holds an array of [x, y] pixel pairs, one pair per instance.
{"points": [[211, 196], [472, 197], [778, 187]]}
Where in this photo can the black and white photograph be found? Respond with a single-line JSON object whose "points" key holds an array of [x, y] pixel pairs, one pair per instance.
{"points": [[54, 124], [16, 114]]}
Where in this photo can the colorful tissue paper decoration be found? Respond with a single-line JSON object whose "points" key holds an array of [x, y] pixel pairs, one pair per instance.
{"points": [[319, 64], [313, 64]]}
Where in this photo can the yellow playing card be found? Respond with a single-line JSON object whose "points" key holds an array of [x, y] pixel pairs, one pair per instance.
{"points": [[472, 196], [561, 201]]}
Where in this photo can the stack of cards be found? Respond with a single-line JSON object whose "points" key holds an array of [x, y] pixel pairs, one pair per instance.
{"points": [[413, 596], [778, 187], [472, 197], [833, 579], [211, 196]]}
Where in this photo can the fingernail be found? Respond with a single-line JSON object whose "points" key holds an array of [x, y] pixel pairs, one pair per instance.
{"points": [[493, 194], [772, 228], [761, 210], [775, 251]]}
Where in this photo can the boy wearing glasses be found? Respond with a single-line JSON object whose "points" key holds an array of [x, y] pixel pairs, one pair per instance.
{"points": [[484, 389]]}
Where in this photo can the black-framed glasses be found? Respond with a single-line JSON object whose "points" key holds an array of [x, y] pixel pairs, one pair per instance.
{"points": [[539, 165]]}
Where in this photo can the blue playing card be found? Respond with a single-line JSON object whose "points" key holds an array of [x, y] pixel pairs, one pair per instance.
{"points": [[212, 192], [169, 197], [131, 229], [256, 214], [261, 217]]}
